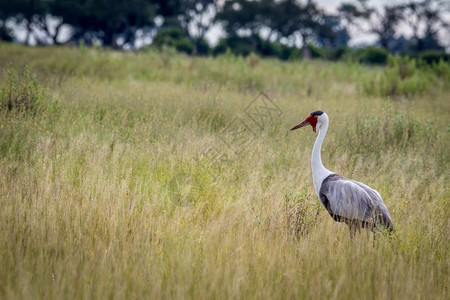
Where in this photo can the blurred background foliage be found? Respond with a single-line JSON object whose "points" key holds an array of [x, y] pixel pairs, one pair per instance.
{"points": [[285, 29]]}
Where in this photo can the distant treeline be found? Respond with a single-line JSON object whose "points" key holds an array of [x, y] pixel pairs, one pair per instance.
{"points": [[265, 27]]}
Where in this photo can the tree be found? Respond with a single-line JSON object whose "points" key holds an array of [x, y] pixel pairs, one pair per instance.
{"points": [[113, 23], [286, 21], [311, 23], [196, 18], [425, 19], [193, 17], [338, 36], [26, 13], [245, 18], [383, 24], [5, 33]]}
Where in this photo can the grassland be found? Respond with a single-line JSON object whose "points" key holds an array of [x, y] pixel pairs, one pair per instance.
{"points": [[110, 186]]}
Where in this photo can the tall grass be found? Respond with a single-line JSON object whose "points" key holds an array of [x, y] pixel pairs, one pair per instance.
{"points": [[21, 93], [408, 77], [110, 192]]}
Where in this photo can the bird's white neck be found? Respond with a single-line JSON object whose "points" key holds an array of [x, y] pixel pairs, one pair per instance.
{"points": [[318, 170]]}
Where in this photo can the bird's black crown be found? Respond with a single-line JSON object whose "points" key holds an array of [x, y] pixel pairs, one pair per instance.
{"points": [[316, 113]]}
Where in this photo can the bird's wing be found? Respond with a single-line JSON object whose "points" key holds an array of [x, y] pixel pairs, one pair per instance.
{"points": [[350, 199]]}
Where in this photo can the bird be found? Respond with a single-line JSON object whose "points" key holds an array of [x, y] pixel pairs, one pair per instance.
{"points": [[346, 200]]}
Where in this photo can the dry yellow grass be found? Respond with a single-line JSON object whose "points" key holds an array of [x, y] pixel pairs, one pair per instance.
{"points": [[111, 192]]}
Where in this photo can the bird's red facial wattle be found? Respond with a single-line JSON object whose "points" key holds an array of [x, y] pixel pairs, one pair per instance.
{"points": [[311, 120]]}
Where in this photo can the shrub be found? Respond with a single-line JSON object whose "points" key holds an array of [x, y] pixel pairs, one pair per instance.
{"points": [[6, 34], [340, 53], [433, 56], [316, 52], [21, 93], [173, 37], [301, 212], [253, 60], [294, 53], [184, 45], [372, 55], [266, 48], [245, 45], [202, 47], [401, 77], [237, 46], [442, 71]]}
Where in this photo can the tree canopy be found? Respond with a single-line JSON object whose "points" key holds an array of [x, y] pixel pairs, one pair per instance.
{"points": [[184, 24]]}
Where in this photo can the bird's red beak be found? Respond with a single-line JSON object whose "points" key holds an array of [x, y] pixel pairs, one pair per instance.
{"points": [[308, 121]]}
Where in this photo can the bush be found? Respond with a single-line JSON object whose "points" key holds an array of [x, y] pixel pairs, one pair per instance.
{"points": [[202, 47], [293, 53], [316, 52], [21, 93], [433, 56], [441, 70], [237, 46], [372, 55], [6, 34], [173, 37], [266, 48], [184, 45], [301, 212], [340, 53], [401, 77], [245, 45]]}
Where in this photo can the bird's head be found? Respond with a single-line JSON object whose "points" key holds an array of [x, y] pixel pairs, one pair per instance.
{"points": [[316, 119]]}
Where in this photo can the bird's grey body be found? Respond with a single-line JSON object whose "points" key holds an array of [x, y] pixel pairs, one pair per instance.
{"points": [[351, 201]]}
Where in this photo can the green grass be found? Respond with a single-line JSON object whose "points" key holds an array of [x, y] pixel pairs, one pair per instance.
{"points": [[110, 191]]}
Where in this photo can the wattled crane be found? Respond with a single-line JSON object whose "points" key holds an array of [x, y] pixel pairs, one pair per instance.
{"points": [[346, 200]]}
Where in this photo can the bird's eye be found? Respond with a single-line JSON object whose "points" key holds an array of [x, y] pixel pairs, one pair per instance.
{"points": [[315, 116]]}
